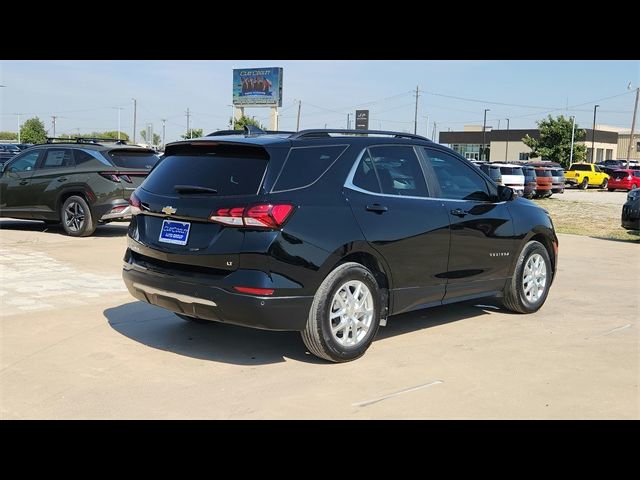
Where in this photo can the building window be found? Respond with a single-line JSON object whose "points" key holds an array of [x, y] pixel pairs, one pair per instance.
{"points": [[599, 154], [523, 156], [637, 146], [609, 154]]}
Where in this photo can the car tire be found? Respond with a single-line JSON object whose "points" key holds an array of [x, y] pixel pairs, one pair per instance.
{"points": [[76, 217], [187, 318], [634, 186], [611, 189], [321, 335], [523, 294], [584, 184], [605, 182]]}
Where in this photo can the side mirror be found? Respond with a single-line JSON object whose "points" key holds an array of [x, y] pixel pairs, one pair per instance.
{"points": [[505, 194]]}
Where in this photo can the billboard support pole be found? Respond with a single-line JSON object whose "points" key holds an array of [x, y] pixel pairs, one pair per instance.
{"points": [[274, 119]]}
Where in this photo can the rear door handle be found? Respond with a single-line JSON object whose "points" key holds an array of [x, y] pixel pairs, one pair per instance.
{"points": [[459, 212], [63, 179], [376, 207]]}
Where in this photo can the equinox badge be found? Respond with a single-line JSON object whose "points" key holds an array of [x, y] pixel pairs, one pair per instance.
{"points": [[169, 210]]}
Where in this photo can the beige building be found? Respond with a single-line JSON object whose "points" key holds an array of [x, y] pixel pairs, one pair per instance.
{"points": [[507, 145]]}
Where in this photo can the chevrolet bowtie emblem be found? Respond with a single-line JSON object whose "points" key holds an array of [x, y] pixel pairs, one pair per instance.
{"points": [[169, 210]]}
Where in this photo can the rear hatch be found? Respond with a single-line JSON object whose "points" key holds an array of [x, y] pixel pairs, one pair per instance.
{"points": [[192, 183], [620, 175], [131, 166]]}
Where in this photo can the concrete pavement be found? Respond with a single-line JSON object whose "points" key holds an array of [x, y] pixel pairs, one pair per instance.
{"points": [[75, 344]]}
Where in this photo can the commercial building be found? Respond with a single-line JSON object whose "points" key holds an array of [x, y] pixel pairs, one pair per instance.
{"points": [[507, 145]]}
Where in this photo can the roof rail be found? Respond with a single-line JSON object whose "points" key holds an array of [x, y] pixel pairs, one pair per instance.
{"points": [[324, 132], [242, 132], [86, 140]]}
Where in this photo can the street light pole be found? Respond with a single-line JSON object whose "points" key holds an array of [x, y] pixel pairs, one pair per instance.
{"points": [[19, 114], [163, 124], [633, 126], [573, 131], [506, 147], [135, 105], [484, 133], [593, 135]]}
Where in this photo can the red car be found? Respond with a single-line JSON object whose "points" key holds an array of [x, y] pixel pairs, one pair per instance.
{"points": [[626, 179]]}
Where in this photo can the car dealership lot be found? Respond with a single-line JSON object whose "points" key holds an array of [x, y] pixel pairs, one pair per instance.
{"points": [[75, 344]]}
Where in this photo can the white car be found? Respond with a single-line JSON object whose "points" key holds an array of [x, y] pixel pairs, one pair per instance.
{"points": [[512, 176]]}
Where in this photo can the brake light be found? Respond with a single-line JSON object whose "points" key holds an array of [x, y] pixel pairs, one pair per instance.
{"points": [[629, 178], [134, 201], [255, 291], [260, 216]]}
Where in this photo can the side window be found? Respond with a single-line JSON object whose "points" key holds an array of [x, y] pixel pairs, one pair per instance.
{"points": [[25, 163], [82, 157], [365, 176], [57, 158], [457, 181], [398, 171], [305, 165]]}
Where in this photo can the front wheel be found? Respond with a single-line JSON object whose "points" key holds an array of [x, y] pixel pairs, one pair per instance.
{"points": [[605, 182], [529, 286], [344, 315], [584, 184]]}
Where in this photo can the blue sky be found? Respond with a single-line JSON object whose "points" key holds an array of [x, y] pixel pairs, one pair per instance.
{"points": [[83, 94]]}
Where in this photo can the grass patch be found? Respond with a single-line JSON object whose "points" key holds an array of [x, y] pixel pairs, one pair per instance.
{"points": [[589, 219]]}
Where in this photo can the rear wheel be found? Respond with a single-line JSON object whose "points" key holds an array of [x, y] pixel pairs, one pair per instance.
{"points": [[605, 182], [634, 186], [584, 184], [531, 279], [611, 189], [344, 315], [76, 217]]}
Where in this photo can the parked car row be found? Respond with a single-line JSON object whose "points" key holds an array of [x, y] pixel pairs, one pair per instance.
{"points": [[536, 179]]}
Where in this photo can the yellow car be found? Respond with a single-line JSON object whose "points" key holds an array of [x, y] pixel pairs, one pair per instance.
{"points": [[585, 175]]}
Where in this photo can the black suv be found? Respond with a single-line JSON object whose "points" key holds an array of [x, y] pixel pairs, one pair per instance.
{"points": [[329, 232], [81, 184]]}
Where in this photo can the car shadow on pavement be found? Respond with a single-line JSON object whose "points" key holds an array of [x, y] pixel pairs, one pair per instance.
{"points": [[116, 229], [219, 342]]}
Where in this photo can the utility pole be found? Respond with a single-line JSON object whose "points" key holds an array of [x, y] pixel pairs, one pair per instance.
{"points": [[119, 108], [188, 116], [506, 148], [19, 122], [53, 119], [593, 135], [433, 135], [484, 130], [164, 120], [498, 124], [135, 109], [348, 124], [633, 126], [415, 118], [298, 121], [573, 132]]}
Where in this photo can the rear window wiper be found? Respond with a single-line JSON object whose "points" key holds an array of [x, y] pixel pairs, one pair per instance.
{"points": [[194, 189]]}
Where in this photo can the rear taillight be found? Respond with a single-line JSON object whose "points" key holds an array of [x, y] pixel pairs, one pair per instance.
{"points": [[257, 216], [134, 202], [116, 177], [629, 178], [255, 291]]}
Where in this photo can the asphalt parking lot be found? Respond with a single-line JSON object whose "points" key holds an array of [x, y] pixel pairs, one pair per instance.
{"points": [[617, 197], [76, 345]]}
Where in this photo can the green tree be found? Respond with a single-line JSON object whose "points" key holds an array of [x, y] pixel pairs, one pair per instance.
{"points": [[112, 134], [555, 141], [240, 123], [8, 136], [143, 135], [33, 131], [156, 139], [195, 133]]}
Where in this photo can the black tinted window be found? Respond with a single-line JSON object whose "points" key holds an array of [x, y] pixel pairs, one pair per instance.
{"points": [[57, 158], [141, 160], [457, 180], [229, 175], [493, 172], [585, 168], [511, 171], [365, 176], [398, 171], [305, 165], [543, 173], [25, 162], [81, 157]]}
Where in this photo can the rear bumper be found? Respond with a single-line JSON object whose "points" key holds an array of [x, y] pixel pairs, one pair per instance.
{"points": [[209, 300]]}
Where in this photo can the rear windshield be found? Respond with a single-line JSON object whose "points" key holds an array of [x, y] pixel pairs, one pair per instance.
{"points": [[493, 172], [141, 160], [557, 173], [619, 175], [227, 174], [584, 168], [511, 171], [543, 173]]}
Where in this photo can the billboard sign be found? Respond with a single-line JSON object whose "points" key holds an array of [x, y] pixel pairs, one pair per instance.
{"points": [[362, 119], [255, 87]]}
